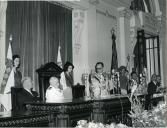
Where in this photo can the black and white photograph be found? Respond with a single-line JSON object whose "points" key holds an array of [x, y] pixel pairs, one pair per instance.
{"points": [[83, 63]]}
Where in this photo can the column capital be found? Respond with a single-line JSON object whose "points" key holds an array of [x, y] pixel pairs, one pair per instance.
{"points": [[125, 12], [3, 7]]}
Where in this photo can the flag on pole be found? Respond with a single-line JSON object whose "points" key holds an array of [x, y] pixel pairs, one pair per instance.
{"points": [[59, 60], [114, 61], [8, 80]]}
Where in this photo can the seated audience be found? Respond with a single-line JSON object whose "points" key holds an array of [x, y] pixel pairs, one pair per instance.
{"points": [[53, 92], [26, 94]]}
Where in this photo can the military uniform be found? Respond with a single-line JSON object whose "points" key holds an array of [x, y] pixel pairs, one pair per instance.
{"points": [[102, 82], [54, 94]]}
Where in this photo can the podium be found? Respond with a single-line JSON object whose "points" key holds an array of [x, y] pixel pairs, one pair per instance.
{"points": [[44, 73]]}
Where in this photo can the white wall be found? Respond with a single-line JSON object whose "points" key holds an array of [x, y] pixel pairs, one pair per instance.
{"points": [[92, 37], [104, 40], [99, 43], [99, 35]]}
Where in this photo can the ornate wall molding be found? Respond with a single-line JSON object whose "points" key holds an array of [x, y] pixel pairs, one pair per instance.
{"points": [[149, 22], [124, 12], [78, 26]]}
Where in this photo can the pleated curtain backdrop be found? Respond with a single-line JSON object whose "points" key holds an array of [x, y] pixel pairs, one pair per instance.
{"points": [[37, 28]]}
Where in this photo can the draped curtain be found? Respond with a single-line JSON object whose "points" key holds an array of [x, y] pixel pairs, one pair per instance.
{"points": [[38, 27]]}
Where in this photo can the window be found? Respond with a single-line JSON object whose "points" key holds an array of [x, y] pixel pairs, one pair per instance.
{"points": [[147, 54], [152, 53]]}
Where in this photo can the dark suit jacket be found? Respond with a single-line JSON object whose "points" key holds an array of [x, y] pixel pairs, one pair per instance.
{"points": [[17, 78], [25, 96], [151, 88]]}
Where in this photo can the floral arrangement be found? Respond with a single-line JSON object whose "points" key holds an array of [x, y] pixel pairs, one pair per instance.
{"points": [[146, 118], [85, 124], [151, 118]]}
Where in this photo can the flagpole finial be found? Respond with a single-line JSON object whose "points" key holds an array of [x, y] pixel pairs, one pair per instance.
{"points": [[112, 31], [10, 38], [59, 47], [113, 34]]}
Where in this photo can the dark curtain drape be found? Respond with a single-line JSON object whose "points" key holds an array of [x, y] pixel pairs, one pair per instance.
{"points": [[37, 28]]}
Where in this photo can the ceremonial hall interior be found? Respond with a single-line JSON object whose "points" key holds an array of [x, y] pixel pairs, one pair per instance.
{"points": [[83, 63]]}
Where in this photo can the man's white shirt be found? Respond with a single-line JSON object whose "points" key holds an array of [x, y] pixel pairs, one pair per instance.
{"points": [[54, 94]]}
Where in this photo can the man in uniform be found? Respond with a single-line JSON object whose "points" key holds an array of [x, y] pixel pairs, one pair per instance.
{"points": [[53, 92], [100, 81]]}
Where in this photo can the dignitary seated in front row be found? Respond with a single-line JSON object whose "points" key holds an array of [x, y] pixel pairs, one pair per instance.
{"points": [[26, 94], [53, 92]]}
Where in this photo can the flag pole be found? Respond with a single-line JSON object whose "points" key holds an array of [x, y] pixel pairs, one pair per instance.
{"points": [[8, 80]]}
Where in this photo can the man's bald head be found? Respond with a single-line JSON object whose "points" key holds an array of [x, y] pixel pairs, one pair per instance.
{"points": [[27, 83], [54, 81]]}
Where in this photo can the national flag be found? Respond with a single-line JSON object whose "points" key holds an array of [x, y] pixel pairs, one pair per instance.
{"points": [[8, 80], [59, 60]]}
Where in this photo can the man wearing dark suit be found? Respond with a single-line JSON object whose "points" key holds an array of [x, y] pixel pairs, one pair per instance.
{"points": [[152, 86], [26, 94], [152, 89]]}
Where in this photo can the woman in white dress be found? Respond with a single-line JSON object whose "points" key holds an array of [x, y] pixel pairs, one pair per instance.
{"points": [[66, 80]]}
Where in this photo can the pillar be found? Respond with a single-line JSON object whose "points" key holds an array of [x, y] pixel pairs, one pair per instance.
{"points": [[3, 7], [80, 44], [124, 34]]}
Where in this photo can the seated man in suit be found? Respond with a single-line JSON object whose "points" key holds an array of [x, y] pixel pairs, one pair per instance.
{"points": [[26, 94], [53, 92]]}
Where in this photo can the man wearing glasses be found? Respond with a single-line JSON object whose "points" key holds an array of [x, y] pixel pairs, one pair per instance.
{"points": [[100, 80]]}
